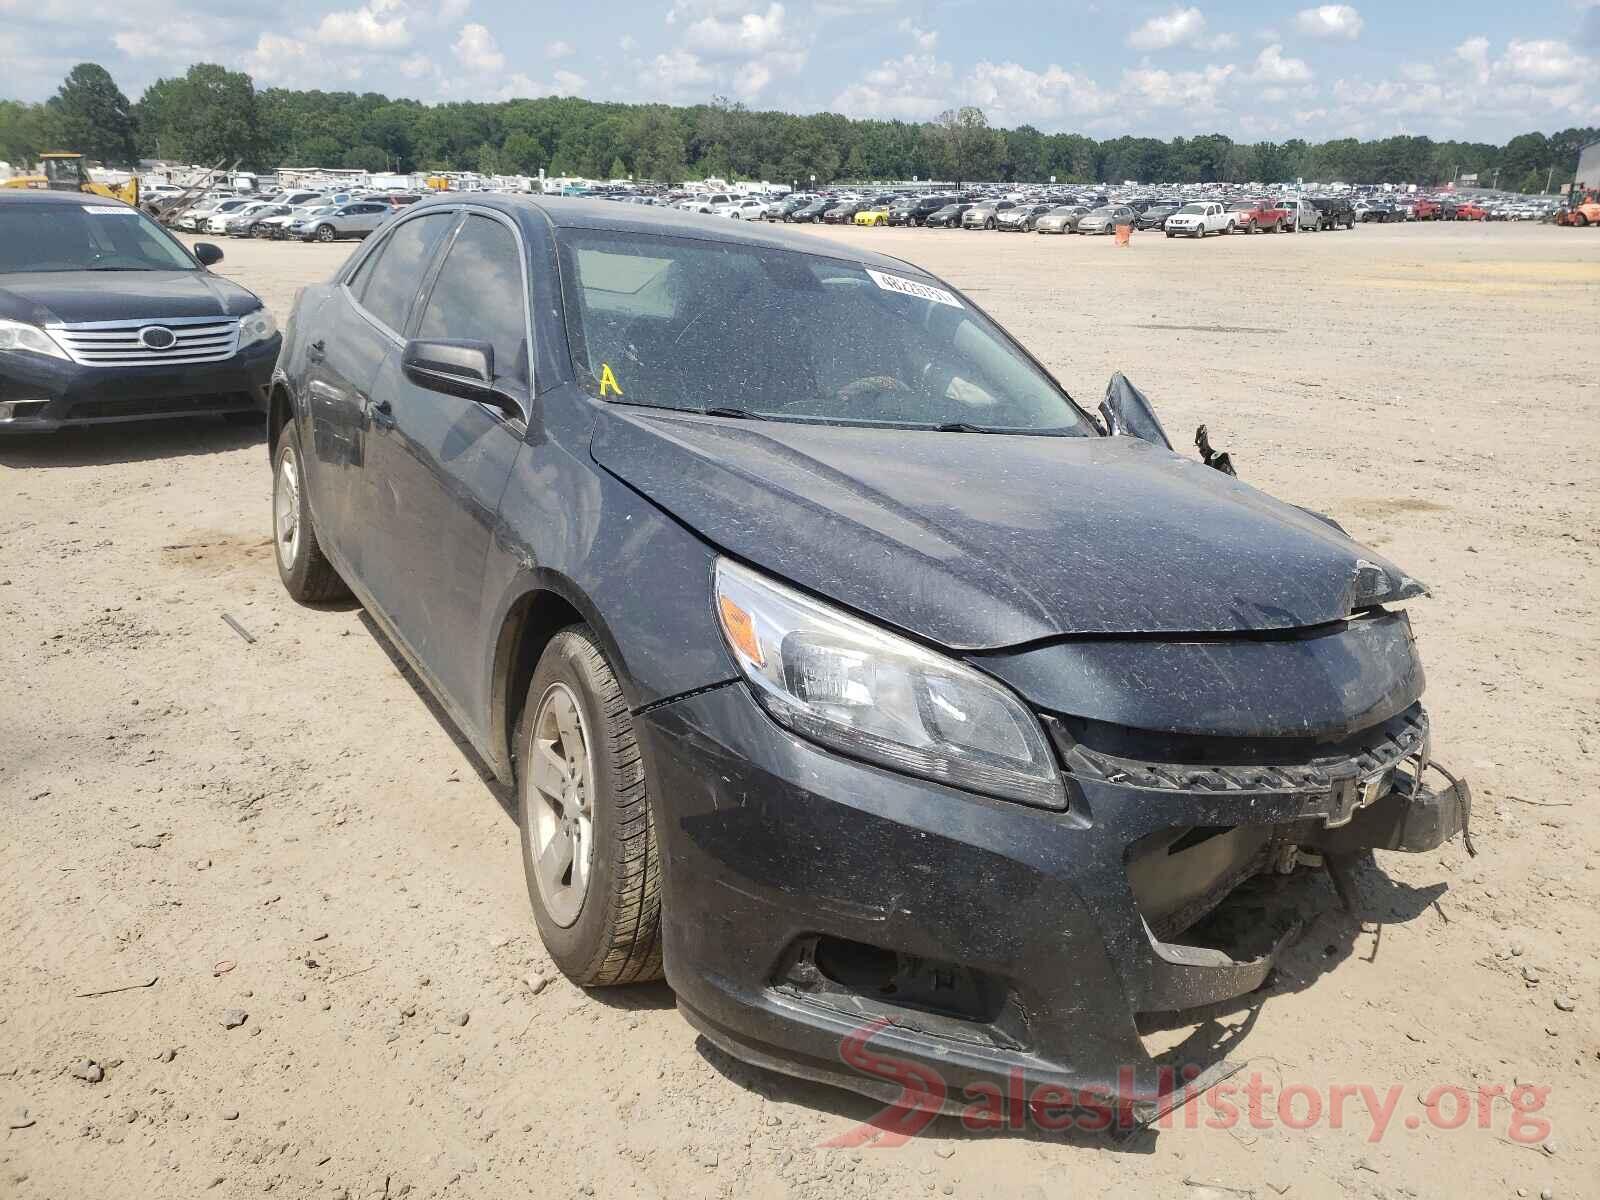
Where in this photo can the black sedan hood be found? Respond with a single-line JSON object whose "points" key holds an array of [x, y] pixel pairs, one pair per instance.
{"points": [[71, 296], [980, 541]]}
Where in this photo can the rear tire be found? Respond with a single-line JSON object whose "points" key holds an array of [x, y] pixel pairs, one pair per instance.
{"points": [[307, 574], [576, 720]]}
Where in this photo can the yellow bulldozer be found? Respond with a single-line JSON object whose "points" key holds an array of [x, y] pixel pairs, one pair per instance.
{"points": [[60, 171]]}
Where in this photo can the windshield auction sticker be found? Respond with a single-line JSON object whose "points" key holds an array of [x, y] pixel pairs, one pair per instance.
{"points": [[106, 210], [910, 287]]}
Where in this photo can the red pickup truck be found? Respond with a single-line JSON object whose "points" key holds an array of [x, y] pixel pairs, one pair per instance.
{"points": [[1251, 216], [1471, 212], [1428, 210]]}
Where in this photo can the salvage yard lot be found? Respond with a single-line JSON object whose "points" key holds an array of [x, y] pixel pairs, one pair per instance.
{"points": [[289, 827]]}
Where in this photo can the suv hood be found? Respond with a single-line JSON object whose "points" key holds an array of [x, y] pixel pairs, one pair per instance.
{"points": [[71, 296], [982, 541]]}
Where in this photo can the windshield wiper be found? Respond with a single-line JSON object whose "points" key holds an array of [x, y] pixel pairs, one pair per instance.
{"points": [[119, 268], [965, 427], [742, 413]]}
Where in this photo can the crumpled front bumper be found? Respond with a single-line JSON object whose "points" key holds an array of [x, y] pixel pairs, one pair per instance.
{"points": [[809, 896]]}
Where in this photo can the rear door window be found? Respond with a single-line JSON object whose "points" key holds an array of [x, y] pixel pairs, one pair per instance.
{"points": [[386, 283]]}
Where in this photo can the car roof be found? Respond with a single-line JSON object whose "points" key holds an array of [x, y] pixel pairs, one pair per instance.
{"points": [[40, 196], [573, 212]]}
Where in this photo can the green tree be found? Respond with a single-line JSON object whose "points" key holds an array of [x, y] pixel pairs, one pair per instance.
{"points": [[93, 117], [365, 158], [27, 130], [619, 169], [207, 116]]}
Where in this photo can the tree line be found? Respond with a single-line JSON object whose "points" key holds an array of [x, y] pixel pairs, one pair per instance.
{"points": [[211, 114]]}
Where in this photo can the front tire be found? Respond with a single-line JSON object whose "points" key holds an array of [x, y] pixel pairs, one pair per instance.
{"points": [[588, 836], [307, 574], [324, 233]]}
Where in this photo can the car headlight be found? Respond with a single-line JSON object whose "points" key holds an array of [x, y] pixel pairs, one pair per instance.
{"points": [[19, 335], [874, 695], [256, 327]]}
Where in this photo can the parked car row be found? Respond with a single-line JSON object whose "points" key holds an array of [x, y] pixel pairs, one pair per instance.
{"points": [[1046, 213], [297, 214]]}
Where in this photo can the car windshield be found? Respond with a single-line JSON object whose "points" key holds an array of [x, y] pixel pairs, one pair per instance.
{"points": [[692, 325], [1192, 210], [85, 237], [1102, 212]]}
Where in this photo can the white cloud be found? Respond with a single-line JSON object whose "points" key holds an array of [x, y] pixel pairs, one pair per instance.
{"points": [[924, 39], [1147, 87], [915, 87], [521, 87], [1272, 67], [674, 73], [555, 50], [365, 28], [476, 49], [1170, 29], [1184, 27], [741, 36], [1329, 21], [1013, 94], [1543, 62]]}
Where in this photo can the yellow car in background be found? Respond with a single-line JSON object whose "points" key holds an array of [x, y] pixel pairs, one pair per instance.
{"points": [[873, 216]]}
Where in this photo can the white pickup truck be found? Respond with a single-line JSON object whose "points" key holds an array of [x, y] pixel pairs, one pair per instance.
{"points": [[1197, 220]]}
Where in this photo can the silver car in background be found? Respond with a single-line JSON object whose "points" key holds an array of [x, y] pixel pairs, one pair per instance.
{"points": [[1061, 219], [1106, 219], [329, 224]]}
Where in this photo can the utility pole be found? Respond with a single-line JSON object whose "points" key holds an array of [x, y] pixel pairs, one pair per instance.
{"points": [[1549, 178]]}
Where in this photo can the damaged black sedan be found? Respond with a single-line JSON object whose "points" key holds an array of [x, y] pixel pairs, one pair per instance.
{"points": [[847, 671]]}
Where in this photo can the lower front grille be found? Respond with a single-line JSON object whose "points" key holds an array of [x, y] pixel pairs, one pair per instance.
{"points": [[155, 342], [164, 406]]}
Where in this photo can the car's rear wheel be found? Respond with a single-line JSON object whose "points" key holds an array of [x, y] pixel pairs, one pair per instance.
{"points": [[306, 572], [588, 835]]}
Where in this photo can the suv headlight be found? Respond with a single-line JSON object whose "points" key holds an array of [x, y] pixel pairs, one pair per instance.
{"points": [[876, 696], [19, 335], [256, 327]]}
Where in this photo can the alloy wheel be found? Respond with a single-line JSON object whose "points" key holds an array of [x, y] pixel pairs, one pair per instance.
{"points": [[286, 510], [562, 779]]}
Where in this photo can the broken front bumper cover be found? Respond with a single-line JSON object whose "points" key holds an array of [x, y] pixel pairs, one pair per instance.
{"points": [[809, 897]]}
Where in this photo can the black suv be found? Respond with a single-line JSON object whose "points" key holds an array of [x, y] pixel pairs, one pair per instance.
{"points": [[916, 211], [1335, 210], [844, 667]]}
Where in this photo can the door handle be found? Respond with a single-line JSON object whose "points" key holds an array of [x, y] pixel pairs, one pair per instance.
{"points": [[315, 350], [381, 413]]}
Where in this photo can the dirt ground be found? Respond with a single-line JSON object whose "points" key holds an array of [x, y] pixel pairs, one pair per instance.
{"points": [[290, 828]]}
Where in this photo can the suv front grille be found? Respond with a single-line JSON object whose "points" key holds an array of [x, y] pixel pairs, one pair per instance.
{"points": [[119, 344]]}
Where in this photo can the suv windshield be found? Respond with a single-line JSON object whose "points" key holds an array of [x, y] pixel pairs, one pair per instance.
{"points": [[85, 237], [692, 325]]}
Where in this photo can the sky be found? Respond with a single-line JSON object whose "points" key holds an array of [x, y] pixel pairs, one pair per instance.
{"points": [[1264, 69]]}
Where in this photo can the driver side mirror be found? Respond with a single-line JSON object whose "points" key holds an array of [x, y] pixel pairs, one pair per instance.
{"points": [[208, 254], [459, 367], [1128, 413]]}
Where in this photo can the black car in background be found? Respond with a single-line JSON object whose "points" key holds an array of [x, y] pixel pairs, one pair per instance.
{"points": [[915, 210], [1155, 215], [661, 510], [106, 317], [1335, 211], [844, 211], [810, 214], [948, 217]]}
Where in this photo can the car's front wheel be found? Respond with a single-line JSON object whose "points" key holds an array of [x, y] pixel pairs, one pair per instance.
{"points": [[306, 572], [588, 836], [324, 233]]}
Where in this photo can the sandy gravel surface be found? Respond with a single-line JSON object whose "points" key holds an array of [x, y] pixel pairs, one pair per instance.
{"points": [[291, 829]]}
